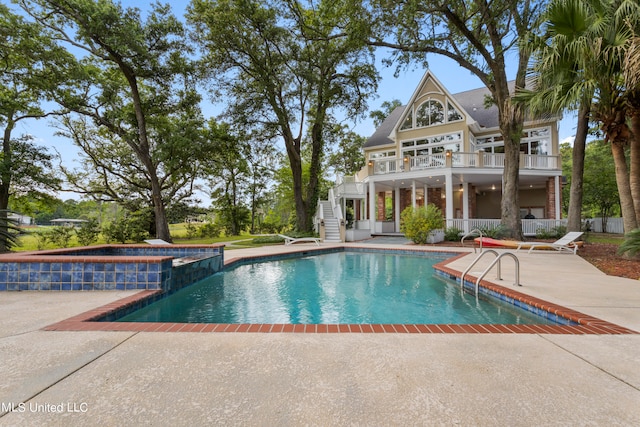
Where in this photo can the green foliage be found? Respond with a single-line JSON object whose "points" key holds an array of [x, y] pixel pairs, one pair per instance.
{"points": [[268, 240], [60, 236], [9, 231], [40, 238], [132, 228], [416, 224], [600, 188], [553, 233], [192, 230], [88, 232], [495, 232], [452, 234], [210, 229], [349, 216], [347, 157], [288, 69], [386, 108], [136, 108], [631, 244]]}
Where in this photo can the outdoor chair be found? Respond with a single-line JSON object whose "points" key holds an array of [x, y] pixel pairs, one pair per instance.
{"points": [[566, 243], [291, 240]]}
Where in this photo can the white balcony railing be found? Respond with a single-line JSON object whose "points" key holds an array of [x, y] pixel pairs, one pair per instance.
{"points": [[478, 159], [493, 160]]}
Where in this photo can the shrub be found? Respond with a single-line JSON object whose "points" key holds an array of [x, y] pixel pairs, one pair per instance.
{"points": [[192, 230], [495, 232], [131, 228], [41, 238], [60, 236], [452, 234], [349, 217], [268, 240], [631, 244], [554, 233], [210, 229], [416, 224], [88, 232]]}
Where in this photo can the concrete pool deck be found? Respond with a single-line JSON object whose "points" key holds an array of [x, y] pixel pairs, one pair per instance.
{"points": [[153, 378]]}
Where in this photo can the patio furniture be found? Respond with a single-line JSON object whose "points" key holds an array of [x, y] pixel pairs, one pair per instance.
{"points": [[291, 240], [157, 242], [566, 243]]}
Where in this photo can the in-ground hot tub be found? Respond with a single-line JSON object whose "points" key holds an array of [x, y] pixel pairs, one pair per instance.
{"points": [[110, 267]]}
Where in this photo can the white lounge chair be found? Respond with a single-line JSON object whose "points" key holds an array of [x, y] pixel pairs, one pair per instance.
{"points": [[157, 242], [291, 240], [566, 243]]}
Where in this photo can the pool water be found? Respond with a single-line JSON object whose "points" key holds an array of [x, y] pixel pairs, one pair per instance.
{"points": [[336, 288]]}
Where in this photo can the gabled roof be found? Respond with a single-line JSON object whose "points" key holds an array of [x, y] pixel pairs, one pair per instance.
{"points": [[382, 133], [471, 101]]}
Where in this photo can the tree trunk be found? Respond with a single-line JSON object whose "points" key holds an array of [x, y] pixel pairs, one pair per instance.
{"points": [[574, 222], [5, 182], [624, 187], [295, 162], [634, 168], [511, 122]]}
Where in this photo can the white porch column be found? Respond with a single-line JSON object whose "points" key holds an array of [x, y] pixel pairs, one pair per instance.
{"points": [[372, 206], [396, 208], [557, 185], [465, 206], [448, 191], [426, 199], [413, 194]]}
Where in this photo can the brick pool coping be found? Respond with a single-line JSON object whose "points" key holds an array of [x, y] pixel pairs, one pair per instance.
{"points": [[586, 325]]}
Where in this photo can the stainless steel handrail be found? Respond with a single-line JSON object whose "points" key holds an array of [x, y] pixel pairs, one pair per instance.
{"points": [[473, 233], [494, 262], [488, 251], [497, 260]]}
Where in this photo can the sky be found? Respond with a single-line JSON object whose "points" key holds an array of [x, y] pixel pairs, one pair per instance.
{"points": [[451, 75]]}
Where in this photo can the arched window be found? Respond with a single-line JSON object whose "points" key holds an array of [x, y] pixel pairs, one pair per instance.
{"points": [[430, 113]]}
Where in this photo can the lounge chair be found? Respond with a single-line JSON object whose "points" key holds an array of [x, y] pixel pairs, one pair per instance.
{"points": [[291, 240], [566, 243], [157, 242]]}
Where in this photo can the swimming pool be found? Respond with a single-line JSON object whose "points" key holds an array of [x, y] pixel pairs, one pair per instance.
{"points": [[334, 288]]}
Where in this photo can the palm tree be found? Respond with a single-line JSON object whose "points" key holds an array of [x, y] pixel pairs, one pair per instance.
{"points": [[631, 69], [580, 62], [9, 231]]}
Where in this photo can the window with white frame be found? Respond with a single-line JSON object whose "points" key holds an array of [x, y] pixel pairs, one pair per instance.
{"points": [[432, 145], [430, 113], [381, 154], [534, 141]]}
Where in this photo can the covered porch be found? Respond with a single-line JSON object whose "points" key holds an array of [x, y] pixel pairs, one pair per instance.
{"points": [[468, 200]]}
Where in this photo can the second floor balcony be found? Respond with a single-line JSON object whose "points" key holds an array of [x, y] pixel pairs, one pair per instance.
{"points": [[479, 159]]}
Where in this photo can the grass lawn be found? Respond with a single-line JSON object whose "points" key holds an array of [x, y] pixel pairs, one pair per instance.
{"points": [[29, 242]]}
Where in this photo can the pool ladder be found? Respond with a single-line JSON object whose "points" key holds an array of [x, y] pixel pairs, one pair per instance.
{"points": [[472, 233], [494, 262]]}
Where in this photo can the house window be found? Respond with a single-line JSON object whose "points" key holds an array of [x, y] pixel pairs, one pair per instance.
{"points": [[408, 122], [434, 145], [452, 113], [535, 141], [430, 113], [381, 155]]}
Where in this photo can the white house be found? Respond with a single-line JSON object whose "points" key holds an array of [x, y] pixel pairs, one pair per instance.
{"points": [[446, 149]]}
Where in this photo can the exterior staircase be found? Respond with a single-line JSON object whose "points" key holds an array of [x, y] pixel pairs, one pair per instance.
{"points": [[331, 224]]}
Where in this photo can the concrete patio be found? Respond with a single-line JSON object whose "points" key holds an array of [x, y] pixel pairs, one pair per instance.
{"points": [[145, 378]]}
